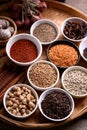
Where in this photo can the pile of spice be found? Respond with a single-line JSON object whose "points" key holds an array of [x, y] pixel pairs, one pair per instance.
{"points": [[85, 53], [20, 101], [45, 32], [75, 81], [75, 29], [43, 75], [23, 51], [56, 105], [63, 55]]}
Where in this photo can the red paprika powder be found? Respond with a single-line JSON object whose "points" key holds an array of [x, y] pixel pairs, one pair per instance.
{"points": [[23, 51]]}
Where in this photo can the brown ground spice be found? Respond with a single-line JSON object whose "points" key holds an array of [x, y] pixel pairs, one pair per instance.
{"points": [[63, 55]]}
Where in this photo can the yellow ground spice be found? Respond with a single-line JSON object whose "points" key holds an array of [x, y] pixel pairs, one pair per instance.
{"points": [[63, 55]]}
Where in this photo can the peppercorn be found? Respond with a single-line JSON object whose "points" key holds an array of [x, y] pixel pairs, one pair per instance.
{"points": [[85, 53], [56, 105]]}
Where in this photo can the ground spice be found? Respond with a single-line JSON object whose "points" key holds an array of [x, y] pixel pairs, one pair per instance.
{"points": [[23, 51], [43, 75], [85, 53], [45, 32], [56, 105], [63, 55], [75, 82]]}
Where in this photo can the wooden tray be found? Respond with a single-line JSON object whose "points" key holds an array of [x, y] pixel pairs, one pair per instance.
{"points": [[56, 12]]}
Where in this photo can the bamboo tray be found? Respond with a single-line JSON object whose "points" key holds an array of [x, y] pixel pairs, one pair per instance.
{"points": [[12, 74]]}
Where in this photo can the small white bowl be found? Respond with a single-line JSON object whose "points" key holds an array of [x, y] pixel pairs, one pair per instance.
{"points": [[21, 36], [38, 87], [32, 91], [59, 90], [72, 19], [50, 22], [74, 89], [82, 46]]}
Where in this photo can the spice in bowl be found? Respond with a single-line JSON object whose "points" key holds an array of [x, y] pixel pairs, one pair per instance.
{"points": [[43, 75], [63, 53], [74, 29], [85, 53], [45, 30], [74, 80], [23, 51], [20, 100], [56, 104]]}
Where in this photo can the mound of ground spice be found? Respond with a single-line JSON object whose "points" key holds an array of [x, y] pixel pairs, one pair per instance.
{"points": [[23, 51], [56, 105], [63, 55]]}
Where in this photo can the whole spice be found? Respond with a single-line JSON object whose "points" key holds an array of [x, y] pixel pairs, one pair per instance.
{"points": [[6, 30], [63, 55], [42, 75], [56, 105], [75, 82], [23, 51], [85, 53], [20, 101], [75, 29], [45, 32]]}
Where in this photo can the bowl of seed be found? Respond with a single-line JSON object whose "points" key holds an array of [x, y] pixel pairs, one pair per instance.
{"points": [[63, 53], [20, 101], [56, 104], [83, 49], [74, 80], [74, 29], [45, 30], [43, 75]]}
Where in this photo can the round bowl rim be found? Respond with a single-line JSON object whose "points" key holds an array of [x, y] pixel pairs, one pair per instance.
{"points": [[39, 88], [29, 36], [66, 71], [35, 24], [63, 25], [42, 96], [72, 44], [20, 85]]}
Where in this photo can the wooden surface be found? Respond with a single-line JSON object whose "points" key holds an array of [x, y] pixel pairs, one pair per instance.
{"points": [[77, 124]]}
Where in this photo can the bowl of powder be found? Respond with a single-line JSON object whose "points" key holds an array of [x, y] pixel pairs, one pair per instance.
{"points": [[45, 30]]}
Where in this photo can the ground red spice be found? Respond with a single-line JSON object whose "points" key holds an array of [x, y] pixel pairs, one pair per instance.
{"points": [[23, 51]]}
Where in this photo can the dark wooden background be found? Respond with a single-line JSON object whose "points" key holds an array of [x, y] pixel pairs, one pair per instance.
{"points": [[81, 122]]}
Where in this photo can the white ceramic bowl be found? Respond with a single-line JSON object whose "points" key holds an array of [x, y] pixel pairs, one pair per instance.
{"points": [[43, 96], [38, 87], [9, 90], [74, 81], [21, 36], [82, 46], [72, 19], [50, 22]]}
